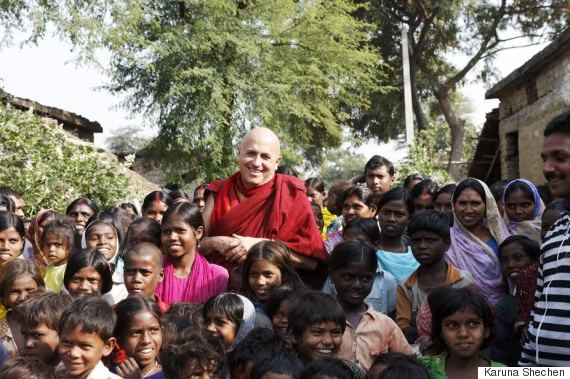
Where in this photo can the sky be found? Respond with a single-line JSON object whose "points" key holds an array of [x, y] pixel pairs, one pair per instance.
{"points": [[46, 73]]}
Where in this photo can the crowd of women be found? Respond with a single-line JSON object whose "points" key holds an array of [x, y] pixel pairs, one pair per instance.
{"points": [[421, 279]]}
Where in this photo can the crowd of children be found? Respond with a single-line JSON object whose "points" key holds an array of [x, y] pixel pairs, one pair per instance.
{"points": [[420, 281]]}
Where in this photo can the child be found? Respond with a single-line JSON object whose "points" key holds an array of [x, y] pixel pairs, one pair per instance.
{"points": [[18, 279], [199, 357], [143, 271], [155, 204], [421, 196], [34, 235], [523, 209], [519, 264], [26, 368], [316, 325], [282, 300], [259, 345], [281, 366], [229, 317], [442, 200], [394, 214], [58, 239], [319, 218], [179, 318], [382, 296], [187, 275], [367, 332], [87, 273], [429, 240], [80, 210], [497, 190], [462, 325], [397, 366], [86, 336], [104, 237], [143, 229], [39, 317], [330, 368], [362, 229], [551, 214], [267, 266], [139, 333], [12, 235]]}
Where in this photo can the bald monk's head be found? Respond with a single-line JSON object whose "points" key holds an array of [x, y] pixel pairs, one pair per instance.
{"points": [[143, 269], [258, 155]]}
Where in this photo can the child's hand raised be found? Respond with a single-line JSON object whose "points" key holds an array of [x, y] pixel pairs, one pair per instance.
{"points": [[129, 369]]}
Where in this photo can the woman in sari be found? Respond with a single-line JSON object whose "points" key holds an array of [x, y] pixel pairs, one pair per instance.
{"points": [[477, 231], [523, 209]]}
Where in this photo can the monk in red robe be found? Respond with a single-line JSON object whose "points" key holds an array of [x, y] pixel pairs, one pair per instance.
{"points": [[257, 204]]}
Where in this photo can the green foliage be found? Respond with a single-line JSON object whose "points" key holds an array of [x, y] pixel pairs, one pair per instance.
{"points": [[50, 170], [341, 163]]}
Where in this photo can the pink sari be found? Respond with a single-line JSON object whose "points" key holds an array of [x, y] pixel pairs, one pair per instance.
{"points": [[205, 280]]}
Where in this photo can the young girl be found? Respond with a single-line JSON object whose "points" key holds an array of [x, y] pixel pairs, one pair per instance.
{"points": [[103, 236], [87, 272], [353, 269], [229, 317], [442, 200], [523, 209], [58, 241], [155, 204], [187, 275], [551, 214], [394, 214], [12, 235], [382, 296], [461, 325], [277, 309], [357, 201], [80, 210], [139, 333], [18, 279], [143, 229], [35, 232], [266, 267]]}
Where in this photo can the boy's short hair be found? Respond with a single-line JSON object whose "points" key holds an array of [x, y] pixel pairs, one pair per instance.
{"points": [[314, 307], [258, 345], [529, 246], [430, 221], [179, 318], [327, 367], [92, 314], [283, 363], [559, 124], [379, 161], [26, 368], [141, 248], [44, 308], [399, 365]]}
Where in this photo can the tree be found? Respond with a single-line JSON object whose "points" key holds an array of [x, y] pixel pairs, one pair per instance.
{"points": [[126, 140], [440, 28], [208, 70]]}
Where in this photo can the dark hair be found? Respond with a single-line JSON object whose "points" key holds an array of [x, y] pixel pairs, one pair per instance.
{"points": [[65, 229], [518, 184], [229, 303], [498, 188], [316, 183], [15, 269], [116, 217], [335, 192], [558, 204], [82, 201], [283, 363], [26, 368], [89, 258], [8, 203], [178, 194], [445, 301], [188, 212], [286, 170], [396, 194], [10, 220], [92, 314], [469, 183], [314, 307], [363, 193], [143, 249], [179, 318], [352, 251], [448, 189], [44, 308], [128, 308], [162, 196], [281, 294], [545, 193], [205, 351], [425, 187], [276, 253], [10, 192], [529, 246], [363, 226], [328, 367], [126, 205], [150, 229], [258, 345], [411, 368], [430, 221], [410, 178], [379, 161], [559, 124]]}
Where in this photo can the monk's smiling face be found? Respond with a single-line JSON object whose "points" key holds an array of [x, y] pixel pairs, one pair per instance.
{"points": [[258, 156]]}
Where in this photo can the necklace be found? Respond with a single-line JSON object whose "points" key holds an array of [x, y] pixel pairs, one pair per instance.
{"points": [[401, 243], [151, 370]]}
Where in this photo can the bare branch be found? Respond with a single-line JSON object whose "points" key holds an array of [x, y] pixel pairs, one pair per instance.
{"points": [[508, 48]]}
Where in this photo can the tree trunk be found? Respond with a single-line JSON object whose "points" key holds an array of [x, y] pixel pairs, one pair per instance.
{"points": [[416, 105], [457, 126]]}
